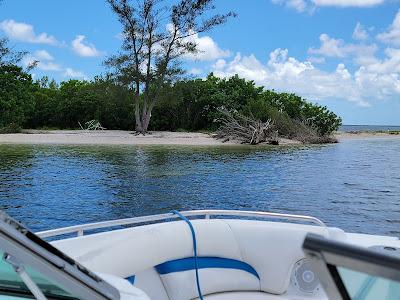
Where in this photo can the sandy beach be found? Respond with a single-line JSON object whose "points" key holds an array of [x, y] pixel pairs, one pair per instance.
{"points": [[119, 137], [364, 135], [109, 137]]}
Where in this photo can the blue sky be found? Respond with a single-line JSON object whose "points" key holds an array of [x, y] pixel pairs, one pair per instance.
{"points": [[344, 54]]}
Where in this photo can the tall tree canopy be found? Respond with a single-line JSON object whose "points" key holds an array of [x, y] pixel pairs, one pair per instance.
{"points": [[156, 34]]}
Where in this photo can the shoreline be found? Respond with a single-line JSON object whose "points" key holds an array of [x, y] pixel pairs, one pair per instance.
{"points": [[120, 137]]}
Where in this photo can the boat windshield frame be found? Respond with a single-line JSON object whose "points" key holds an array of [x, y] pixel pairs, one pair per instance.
{"points": [[331, 257], [29, 250]]}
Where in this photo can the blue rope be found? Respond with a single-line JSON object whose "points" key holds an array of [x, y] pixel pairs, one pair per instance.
{"points": [[194, 250]]}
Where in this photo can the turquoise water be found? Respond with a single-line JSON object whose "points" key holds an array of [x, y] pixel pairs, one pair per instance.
{"points": [[354, 185]]}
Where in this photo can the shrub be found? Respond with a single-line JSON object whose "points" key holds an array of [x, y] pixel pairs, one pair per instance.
{"points": [[191, 105], [11, 128]]}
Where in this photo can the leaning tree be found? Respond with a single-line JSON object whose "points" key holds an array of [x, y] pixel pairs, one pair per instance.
{"points": [[156, 35]]}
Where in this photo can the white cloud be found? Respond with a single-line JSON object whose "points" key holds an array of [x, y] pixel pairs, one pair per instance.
{"points": [[360, 33], [348, 3], [44, 60], [331, 47], [316, 59], [84, 49], [285, 73], [48, 66], [25, 33], [392, 35], [298, 5], [389, 65], [219, 64], [43, 55], [71, 73], [208, 49], [311, 5]]}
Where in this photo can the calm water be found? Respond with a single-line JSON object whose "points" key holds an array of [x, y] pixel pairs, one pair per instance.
{"points": [[354, 185]]}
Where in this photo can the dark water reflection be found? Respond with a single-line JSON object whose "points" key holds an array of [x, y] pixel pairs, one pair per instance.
{"points": [[354, 185]]}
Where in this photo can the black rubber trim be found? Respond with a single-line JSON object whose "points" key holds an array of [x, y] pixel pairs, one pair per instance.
{"points": [[339, 283], [317, 243]]}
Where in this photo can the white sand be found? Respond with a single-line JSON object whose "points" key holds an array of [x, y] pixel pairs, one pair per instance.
{"points": [[364, 135], [119, 137], [108, 137]]}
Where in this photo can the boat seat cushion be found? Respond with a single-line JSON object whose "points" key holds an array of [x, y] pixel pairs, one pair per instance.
{"points": [[182, 285], [149, 281], [271, 248]]}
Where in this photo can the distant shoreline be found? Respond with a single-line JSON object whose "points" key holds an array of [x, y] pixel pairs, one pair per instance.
{"points": [[119, 137], [342, 135]]}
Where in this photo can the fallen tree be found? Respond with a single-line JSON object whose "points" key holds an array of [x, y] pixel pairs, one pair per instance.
{"points": [[235, 126]]}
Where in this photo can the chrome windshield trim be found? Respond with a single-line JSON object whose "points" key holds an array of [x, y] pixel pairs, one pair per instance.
{"points": [[79, 229]]}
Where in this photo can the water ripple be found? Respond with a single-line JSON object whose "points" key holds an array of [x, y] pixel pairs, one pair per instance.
{"points": [[353, 185]]}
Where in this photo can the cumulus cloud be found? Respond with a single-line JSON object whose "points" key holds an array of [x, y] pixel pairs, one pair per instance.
{"points": [[316, 59], [24, 32], [208, 49], [285, 73], [43, 55], [331, 47], [44, 61], [392, 35], [71, 73], [364, 72], [360, 33], [298, 5], [311, 5], [84, 49], [348, 3]]}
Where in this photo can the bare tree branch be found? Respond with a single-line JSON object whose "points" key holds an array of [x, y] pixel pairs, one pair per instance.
{"points": [[235, 126]]}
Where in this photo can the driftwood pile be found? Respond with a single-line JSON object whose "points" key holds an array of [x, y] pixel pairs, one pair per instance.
{"points": [[92, 125], [235, 126]]}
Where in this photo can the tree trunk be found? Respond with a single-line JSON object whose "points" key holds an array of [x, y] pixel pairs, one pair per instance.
{"points": [[146, 120], [139, 124]]}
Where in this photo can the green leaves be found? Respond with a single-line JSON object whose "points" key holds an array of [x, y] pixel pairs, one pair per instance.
{"points": [[16, 96], [189, 104], [193, 105]]}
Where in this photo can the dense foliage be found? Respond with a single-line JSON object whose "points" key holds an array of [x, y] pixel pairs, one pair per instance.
{"points": [[185, 105], [16, 97], [192, 105]]}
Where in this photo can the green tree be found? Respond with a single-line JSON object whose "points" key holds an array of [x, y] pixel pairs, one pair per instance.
{"points": [[16, 96], [152, 50]]}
